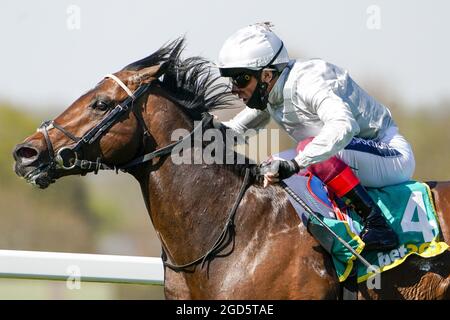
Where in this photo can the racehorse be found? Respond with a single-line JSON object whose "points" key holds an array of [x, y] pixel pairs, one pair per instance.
{"points": [[223, 235]]}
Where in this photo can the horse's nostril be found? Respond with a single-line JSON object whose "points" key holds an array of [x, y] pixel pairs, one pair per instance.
{"points": [[26, 153]]}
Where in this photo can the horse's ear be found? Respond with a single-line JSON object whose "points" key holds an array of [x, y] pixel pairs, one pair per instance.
{"points": [[146, 75]]}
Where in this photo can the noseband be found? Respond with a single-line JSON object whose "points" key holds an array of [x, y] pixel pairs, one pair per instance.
{"points": [[67, 158]]}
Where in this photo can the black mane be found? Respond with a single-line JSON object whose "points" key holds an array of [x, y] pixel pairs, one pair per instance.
{"points": [[190, 82]]}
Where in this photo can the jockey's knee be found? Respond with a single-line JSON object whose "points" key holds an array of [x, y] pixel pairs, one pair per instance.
{"points": [[325, 170]]}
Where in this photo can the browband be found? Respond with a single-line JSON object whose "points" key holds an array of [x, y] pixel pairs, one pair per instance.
{"points": [[120, 83]]}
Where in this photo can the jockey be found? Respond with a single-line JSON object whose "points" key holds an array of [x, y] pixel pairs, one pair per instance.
{"points": [[346, 138]]}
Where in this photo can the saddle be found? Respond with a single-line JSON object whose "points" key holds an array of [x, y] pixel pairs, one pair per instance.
{"points": [[408, 208]]}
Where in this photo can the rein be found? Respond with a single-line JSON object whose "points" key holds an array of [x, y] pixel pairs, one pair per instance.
{"points": [[225, 237], [67, 158]]}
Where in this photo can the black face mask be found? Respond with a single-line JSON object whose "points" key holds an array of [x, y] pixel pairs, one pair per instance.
{"points": [[260, 97]]}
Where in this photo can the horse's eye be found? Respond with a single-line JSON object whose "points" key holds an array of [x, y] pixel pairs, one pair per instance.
{"points": [[101, 105]]}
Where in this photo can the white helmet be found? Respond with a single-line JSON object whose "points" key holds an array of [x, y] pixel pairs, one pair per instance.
{"points": [[254, 47]]}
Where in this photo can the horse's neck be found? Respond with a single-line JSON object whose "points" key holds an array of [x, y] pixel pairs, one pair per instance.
{"points": [[188, 203]]}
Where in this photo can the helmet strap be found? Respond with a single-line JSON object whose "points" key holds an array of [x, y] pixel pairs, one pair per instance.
{"points": [[260, 96]]}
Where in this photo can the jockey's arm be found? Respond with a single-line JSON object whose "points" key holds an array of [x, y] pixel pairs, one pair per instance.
{"points": [[243, 121], [339, 127], [248, 119]]}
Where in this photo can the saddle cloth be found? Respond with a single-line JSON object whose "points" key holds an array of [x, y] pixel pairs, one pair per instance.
{"points": [[408, 208]]}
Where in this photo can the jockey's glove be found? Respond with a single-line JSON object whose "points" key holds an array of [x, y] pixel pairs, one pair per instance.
{"points": [[284, 168]]}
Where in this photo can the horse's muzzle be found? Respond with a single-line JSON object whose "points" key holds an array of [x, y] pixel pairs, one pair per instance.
{"points": [[30, 165], [25, 154]]}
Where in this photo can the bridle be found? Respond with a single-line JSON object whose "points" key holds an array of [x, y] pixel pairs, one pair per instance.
{"points": [[67, 157]]}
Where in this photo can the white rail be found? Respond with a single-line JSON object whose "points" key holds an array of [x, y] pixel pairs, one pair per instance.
{"points": [[85, 267]]}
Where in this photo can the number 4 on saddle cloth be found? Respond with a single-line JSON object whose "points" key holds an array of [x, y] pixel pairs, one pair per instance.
{"points": [[407, 207]]}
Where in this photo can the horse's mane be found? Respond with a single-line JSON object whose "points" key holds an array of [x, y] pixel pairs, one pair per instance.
{"points": [[190, 82]]}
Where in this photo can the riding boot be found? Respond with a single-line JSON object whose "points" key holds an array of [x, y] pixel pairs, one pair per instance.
{"points": [[376, 234]]}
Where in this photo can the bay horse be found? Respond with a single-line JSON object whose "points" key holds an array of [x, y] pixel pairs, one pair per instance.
{"points": [[269, 253]]}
